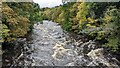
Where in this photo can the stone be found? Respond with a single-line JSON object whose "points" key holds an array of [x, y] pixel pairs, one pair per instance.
{"points": [[46, 43], [96, 53], [70, 64], [87, 47], [98, 57], [81, 60]]}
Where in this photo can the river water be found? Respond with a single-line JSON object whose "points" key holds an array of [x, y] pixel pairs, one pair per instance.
{"points": [[49, 45]]}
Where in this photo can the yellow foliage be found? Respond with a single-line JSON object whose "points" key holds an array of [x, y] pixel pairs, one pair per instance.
{"points": [[10, 39], [18, 25], [83, 11], [89, 25], [107, 18], [90, 20], [2, 40], [12, 20], [7, 11], [19, 32]]}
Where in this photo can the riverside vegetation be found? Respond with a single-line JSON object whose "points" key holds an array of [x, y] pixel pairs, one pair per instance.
{"points": [[18, 19], [97, 21]]}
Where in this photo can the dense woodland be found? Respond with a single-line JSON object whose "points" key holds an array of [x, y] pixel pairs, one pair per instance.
{"points": [[18, 19], [99, 21]]}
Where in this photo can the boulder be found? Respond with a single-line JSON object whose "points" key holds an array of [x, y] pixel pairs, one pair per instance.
{"points": [[99, 58]]}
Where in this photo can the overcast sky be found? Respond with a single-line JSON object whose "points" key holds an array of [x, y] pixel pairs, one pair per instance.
{"points": [[48, 3]]}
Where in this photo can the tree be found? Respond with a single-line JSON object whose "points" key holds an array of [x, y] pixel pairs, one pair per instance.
{"points": [[19, 19]]}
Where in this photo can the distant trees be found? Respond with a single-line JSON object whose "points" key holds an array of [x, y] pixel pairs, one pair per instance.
{"points": [[98, 20], [112, 25]]}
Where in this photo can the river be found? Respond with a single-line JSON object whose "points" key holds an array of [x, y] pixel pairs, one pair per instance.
{"points": [[49, 45]]}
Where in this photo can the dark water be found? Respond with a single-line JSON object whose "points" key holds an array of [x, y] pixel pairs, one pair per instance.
{"points": [[48, 45]]}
